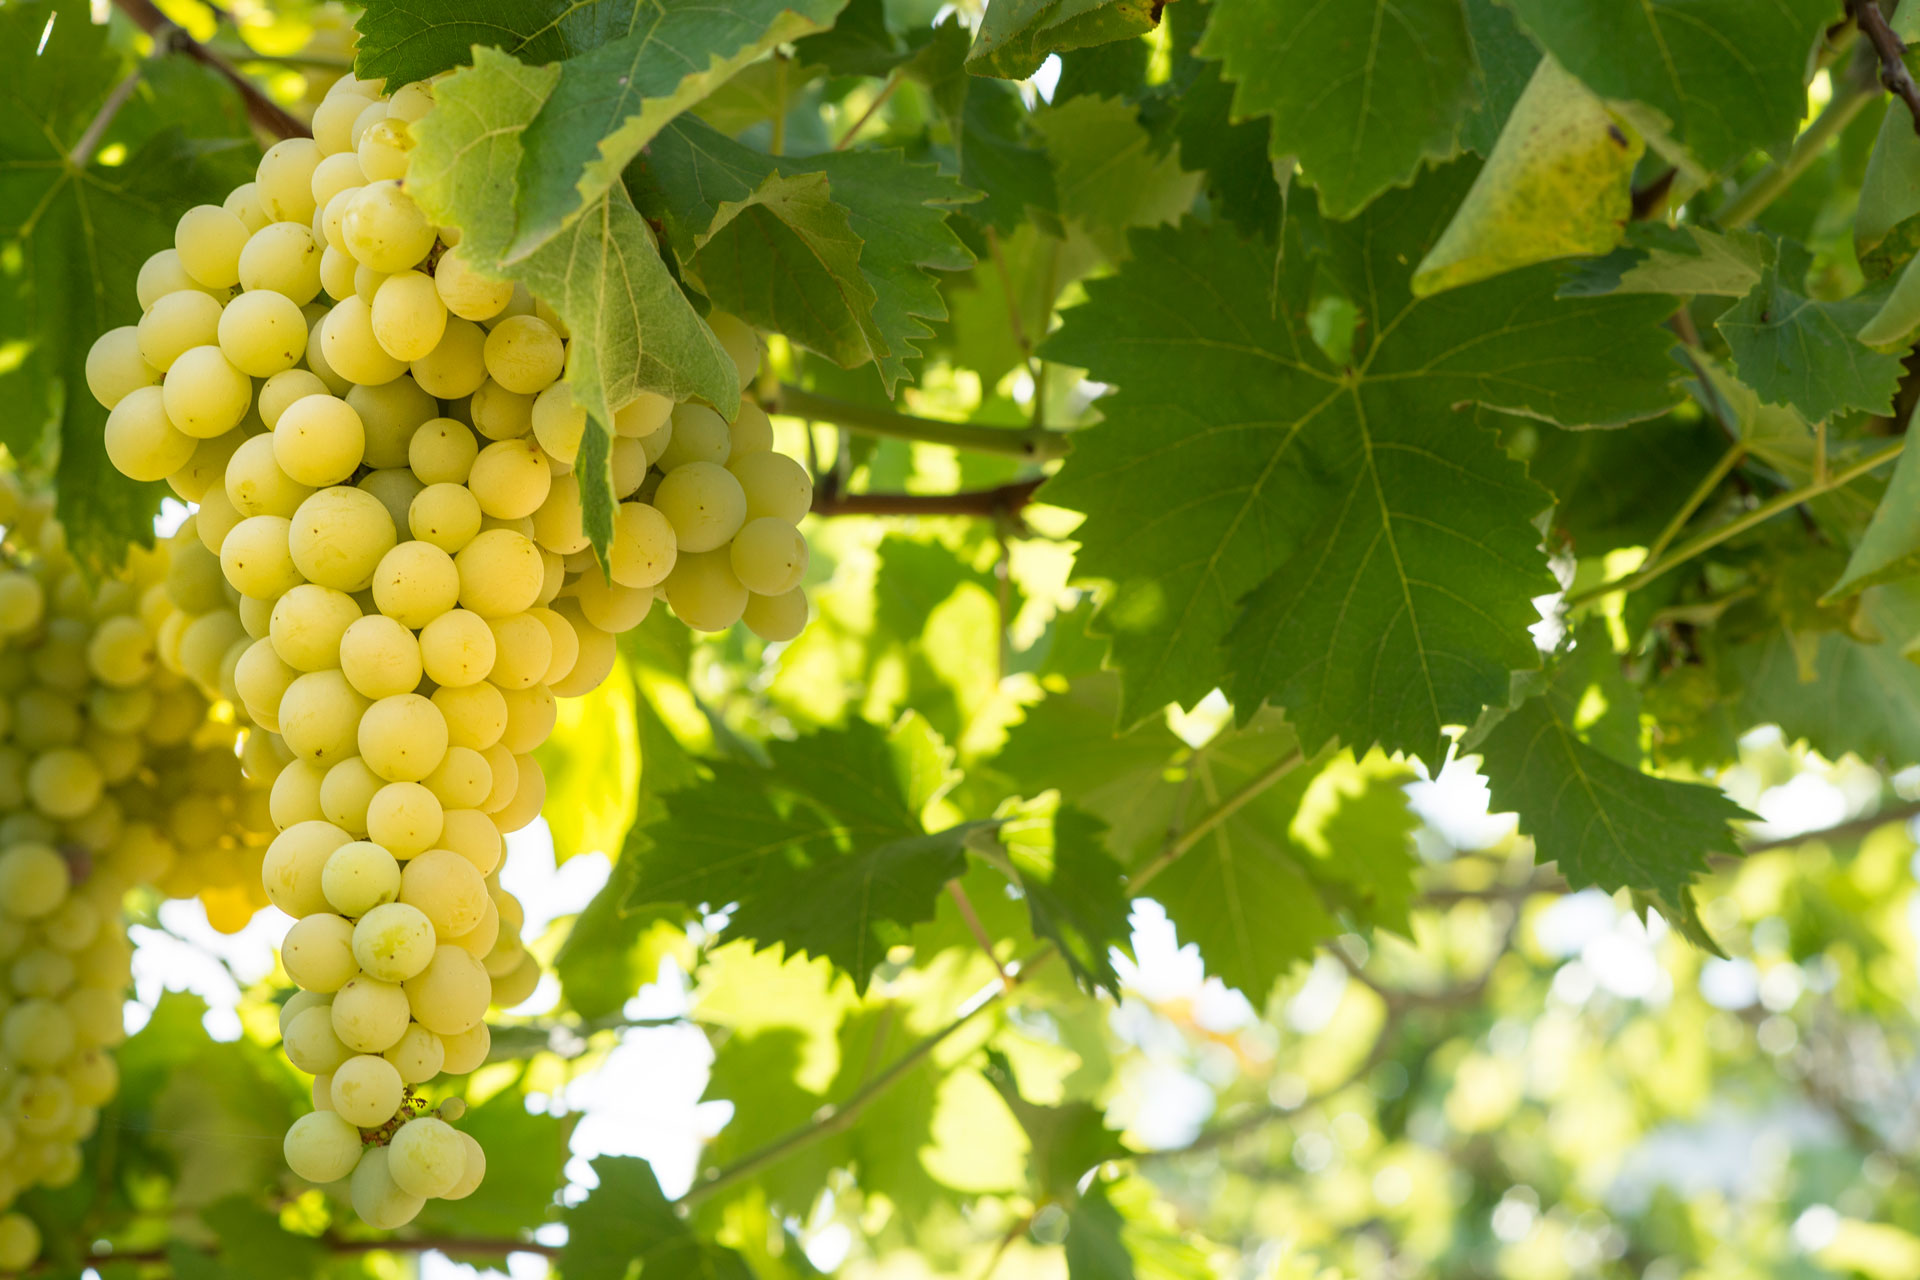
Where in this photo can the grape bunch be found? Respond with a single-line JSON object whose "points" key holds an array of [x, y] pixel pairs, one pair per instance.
{"points": [[384, 480], [114, 772]]}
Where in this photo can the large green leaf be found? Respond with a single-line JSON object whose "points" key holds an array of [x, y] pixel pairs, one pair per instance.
{"points": [[73, 239], [1231, 154], [898, 212], [824, 852], [633, 328], [1067, 1140], [1722, 75], [1581, 794], [625, 1225], [1016, 36], [1075, 892], [1657, 258], [1109, 173], [1394, 539], [1363, 94], [1890, 548], [1795, 350]]}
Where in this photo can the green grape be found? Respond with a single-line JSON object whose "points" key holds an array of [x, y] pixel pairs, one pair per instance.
{"points": [[317, 952], [243, 202], [595, 652], [348, 343], [322, 1147], [392, 411], [161, 275], [33, 881], [704, 592], [319, 441], [394, 942], [471, 833], [369, 1015], [565, 645], [403, 738], [408, 316], [418, 1056], [529, 795], [358, 877], [611, 606], [263, 334], [768, 556], [451, 993], [457, 364], [311, 1044], [256, 486], [385, 230], [442, 451], [366, 1091], [750, 432], [256, 558], [64, 782], [524, 354], [115, 366], [334, 117], [366, 283], [500, 414], [467, 293], [531, 713], [447, 890], [699, 435], [642, 416], [476, 715], [461, 782], [307, 626], [415, 583], [741, 342], [466, 1052], [284, 180], [261, 678], [208, 240], [395, 487], [205, 472], [121, 652], [19, 1242], [457, 648], [320, 715], [426, 1157], [23, 602], [39, 1034], [281, 390], [645, 545], [506, 775], [376, 1197], [405, 817], [558, 422], [559, 522], [523, 651], [501, 572], [704, 503], [337, 267], [295, 796], [293, 864], [776, 618], [380, 656], [175, 325], [338, 172], [775, 485], [384, 150], [283, 258], [446, 516], [339, 536], [510, 479], [346, 792], [141, 440]]}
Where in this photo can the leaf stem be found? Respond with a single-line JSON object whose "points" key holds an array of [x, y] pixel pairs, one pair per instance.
{"points": [[1893, 67], [1193, 835], [264, 111], [1704, 490], [1855, 89], [978, 930], [879, 100], [831, 1118], [1002, 502], [89, 141], [1720, 533], [1033, 445]]}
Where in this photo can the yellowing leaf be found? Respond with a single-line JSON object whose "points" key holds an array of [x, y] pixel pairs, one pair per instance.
{"points": [[1556, 186], [592, 763]]}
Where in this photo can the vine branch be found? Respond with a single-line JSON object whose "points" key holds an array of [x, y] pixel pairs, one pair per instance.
{"points": [[1891, 50], [262, 110], [1002, 502], [488, 1245], [1853, 91], [1033, 445]]}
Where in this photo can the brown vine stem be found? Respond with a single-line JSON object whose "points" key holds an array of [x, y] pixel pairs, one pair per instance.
{"points": [[1713, 537], [1890, 48], [1003, 502], [974, 437], [89, 141], [264, 111], [476, 1245]]}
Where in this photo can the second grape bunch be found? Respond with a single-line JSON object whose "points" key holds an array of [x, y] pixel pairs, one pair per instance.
{"points": [[388, 482]]}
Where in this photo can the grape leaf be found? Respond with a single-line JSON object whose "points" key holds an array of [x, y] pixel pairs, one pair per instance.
{"points": [[1095, 1247], [1107, 172], [1719, 93], [1363, 94], [74, 240], [1075, 893], [400, 41], [1793, 350], [633, 328], [626, 1222], [1016, 36], [859, 44], [1580, 793], [1890, 547], [824, 851], [896, 209], [1066, 1140], [608, 103], [1504, 60], [1231, 154], [1657, 258], [1417, 529]]}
